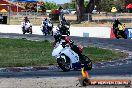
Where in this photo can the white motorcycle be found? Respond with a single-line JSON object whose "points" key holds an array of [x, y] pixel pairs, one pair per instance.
{"points": [[68, 59], [26, 27]]}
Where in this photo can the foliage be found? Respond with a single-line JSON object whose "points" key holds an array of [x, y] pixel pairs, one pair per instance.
{"points": [[51, 5], [106, 5], [86, 3], [73, 4], [66, 6], [30, 6], [127, 2]]}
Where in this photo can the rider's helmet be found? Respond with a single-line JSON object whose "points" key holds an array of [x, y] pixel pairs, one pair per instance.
{"points": [[68, 40], [116, 20], [26, 19], [46, 19]]}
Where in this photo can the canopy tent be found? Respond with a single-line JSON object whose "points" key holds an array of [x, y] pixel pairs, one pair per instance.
{"points": [[3, 11], [129, 6], [24, 0]]}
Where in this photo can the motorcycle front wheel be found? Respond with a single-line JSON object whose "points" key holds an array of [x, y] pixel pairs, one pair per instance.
{"points": [[30, 30], [23, 31], [87, 63], [64, 62], [68, 33]]}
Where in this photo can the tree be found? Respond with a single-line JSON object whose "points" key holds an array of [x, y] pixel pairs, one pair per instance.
{"points": [[128, 2], [90, 6], [106, 5], [73, 4], [66, 6], [51, 5], [80, 10]]}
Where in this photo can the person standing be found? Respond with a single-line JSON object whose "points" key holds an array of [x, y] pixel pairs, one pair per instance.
{"points": [[61, 13], [1, 19]]}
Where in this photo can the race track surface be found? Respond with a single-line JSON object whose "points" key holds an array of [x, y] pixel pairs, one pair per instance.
{"points": [[119, 67]]}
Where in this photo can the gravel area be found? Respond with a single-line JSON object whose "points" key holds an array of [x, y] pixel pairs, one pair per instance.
{"points": [[53, 82]]}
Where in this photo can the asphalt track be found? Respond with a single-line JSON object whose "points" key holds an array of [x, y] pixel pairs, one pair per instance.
{"points": [[121, 67]]}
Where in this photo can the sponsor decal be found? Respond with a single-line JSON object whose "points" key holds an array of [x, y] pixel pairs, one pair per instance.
{"points": [[85, 81], [110, 82]]}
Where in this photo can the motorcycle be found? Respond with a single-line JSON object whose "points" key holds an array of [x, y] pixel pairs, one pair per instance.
{"points": [[64, 29], [120, 32], [47, 29], [67, 59], [26, 27]]}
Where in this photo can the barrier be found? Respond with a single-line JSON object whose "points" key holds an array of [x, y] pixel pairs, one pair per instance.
{"points": [[128, 31], [100, 32]]}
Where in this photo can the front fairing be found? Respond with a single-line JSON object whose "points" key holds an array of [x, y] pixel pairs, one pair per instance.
{"points": [[57, 49]]}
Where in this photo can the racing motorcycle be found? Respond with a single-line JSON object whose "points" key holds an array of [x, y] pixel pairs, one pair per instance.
{"points": [[120, 32], [68, 59], [26, 27], [64, 29], [47, 29]]}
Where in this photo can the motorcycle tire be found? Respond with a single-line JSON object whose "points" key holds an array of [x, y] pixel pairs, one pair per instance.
{"points": [[51, 33], [30, 31], [23, 31], [68, 33], [64, 62], [125, 36], [87, 63]]}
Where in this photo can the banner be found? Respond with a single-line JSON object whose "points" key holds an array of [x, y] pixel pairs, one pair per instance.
{"points": [[129, 33], [39, 7]]}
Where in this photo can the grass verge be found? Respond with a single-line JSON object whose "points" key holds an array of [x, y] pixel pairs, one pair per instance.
{"points": [[19, 53]]}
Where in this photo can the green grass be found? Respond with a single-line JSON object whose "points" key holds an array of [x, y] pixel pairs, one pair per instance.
{"points": [[18, 53], [98, 54]]}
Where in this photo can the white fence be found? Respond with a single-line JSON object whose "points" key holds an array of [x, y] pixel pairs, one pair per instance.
{"points": [[100, 32]]}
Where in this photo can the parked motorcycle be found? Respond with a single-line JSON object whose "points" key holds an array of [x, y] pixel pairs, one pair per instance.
{"points": [[26, 27], [68, 59]]}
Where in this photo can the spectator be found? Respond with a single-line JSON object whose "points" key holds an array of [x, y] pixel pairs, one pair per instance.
{"points": [[61, 13], [1, 18]]}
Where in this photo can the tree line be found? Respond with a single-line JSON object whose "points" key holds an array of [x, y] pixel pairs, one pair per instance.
{"points": [[87, 6]]}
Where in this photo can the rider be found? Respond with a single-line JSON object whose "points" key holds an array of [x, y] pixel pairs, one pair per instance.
{"points": [[26, 20], [116, 25], [63, 22], [45, 23], [68, 41]]}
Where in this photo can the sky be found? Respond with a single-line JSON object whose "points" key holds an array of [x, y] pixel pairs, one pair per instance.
{"points": [[59, 1]]}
